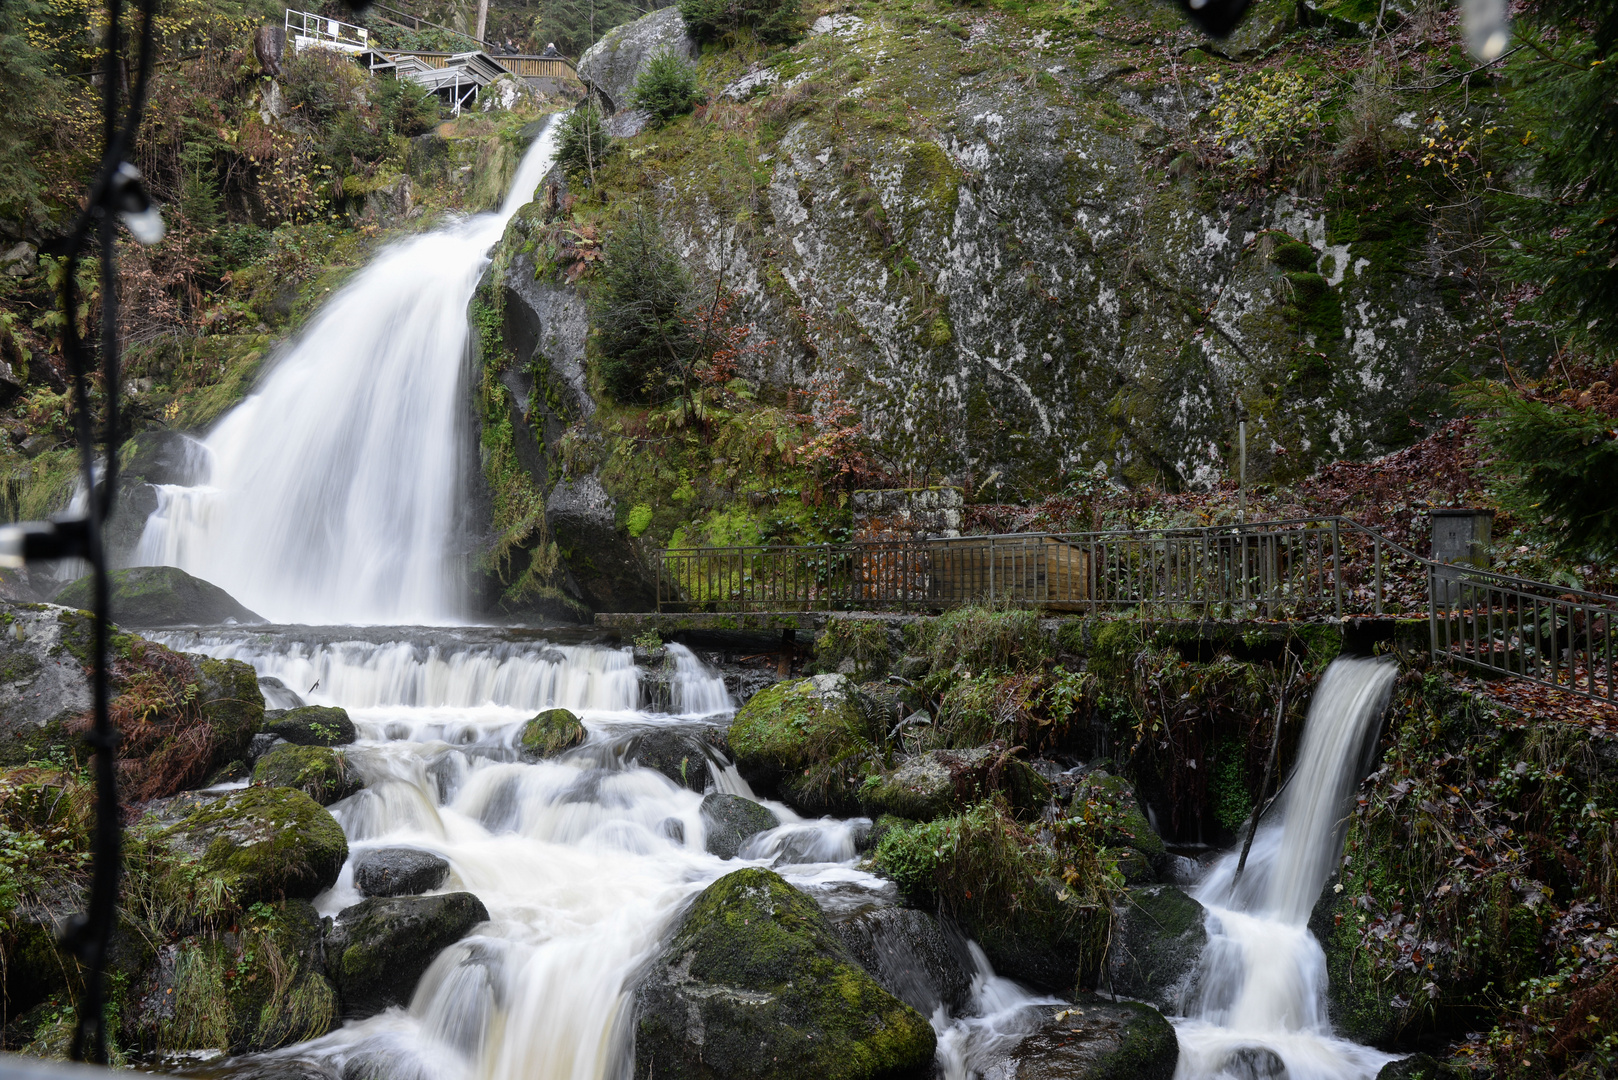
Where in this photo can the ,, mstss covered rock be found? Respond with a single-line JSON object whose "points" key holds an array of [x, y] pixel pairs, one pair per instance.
{"points": [[313, 725], [1158, 937], [807, 741], [1142, 854], [1096, 1039], [399, 872], [940, 782], [611, 66], [729, 820], [181, 717], [550, 733], [915, 957], [262, 843], [323, 774], [756, 985], [679, 754], [377, 950], [257, 987], [157, 596]]}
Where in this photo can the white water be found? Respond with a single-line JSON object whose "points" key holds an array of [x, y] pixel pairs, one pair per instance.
{"points": [[332, 494], [1260, 996], [582, 861]]}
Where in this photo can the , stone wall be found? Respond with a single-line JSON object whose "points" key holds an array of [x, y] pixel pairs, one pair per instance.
{"points": [[908, 513]]}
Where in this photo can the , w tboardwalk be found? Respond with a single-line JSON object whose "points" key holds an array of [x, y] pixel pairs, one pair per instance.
{"points": [[1301, 570], [456, 77]]}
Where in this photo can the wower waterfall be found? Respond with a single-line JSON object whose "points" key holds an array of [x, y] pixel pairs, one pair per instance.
{"points": [[331, 496], [1257, 1009], [581, 860]]}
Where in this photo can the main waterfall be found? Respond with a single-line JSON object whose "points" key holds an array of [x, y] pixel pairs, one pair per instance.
{"points": [[1258, 1010], [332, 493]]}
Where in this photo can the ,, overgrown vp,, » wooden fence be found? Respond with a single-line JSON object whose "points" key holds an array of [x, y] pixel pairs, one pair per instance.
{"points": [[1297, 569]]}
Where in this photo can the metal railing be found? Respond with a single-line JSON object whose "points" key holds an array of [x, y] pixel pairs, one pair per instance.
{"points": [[306, 28], [1546, 634], [1296, 569], [521, 65]]}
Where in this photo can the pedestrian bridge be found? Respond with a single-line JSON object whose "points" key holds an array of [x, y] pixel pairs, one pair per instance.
{"points": [[1320, 569], [456, 77]]}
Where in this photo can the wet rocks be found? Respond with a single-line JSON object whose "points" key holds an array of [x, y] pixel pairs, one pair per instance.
{"points": [[34, 974], [377, 950], [1360, 1007], [313, 725], [678, 754], [912, 955], [319, 772], [1157, 940], [1094, 1039], [255, 988], [278, 695], [42, 681], [156, 596], [1142, 855], [940, 782], [550, 733], [200, 722], [399, 872], [1253, 1063], [262, 843], [611, 572], [1421, 1067], [806, 741], [728, 820], [756, 984], [1005, 893], [283, 1069]]}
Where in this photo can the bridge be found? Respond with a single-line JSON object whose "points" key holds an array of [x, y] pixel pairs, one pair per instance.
{"points": [[1328, 569], [456, 77]]}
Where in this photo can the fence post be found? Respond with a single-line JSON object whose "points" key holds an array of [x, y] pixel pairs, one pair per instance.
{"points": [[991, 570], [1095, 578], [660, 581], [1243, 568], [1336, 571], [1432, 608], [1377, 545]]}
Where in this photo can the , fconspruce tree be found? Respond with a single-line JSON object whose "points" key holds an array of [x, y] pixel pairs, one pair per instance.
{"points": [[575, 25], [1558, 460], [1557, 467], [771, 22], [1571, 139], [582, 145], [641, 306], [666, 87]]}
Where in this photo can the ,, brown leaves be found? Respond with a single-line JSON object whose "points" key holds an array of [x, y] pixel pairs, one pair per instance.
{"points": [[165, 742]]}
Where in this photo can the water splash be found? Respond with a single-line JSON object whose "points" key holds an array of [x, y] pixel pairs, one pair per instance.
{"points": [[442, 675], [582, 860], [333, 493], [1259, 1010], [575, 857]]}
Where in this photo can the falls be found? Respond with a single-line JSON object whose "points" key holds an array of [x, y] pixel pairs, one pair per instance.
{"points": [[583, 860], [333, 493], [419, 669], [1258, 1010]]}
